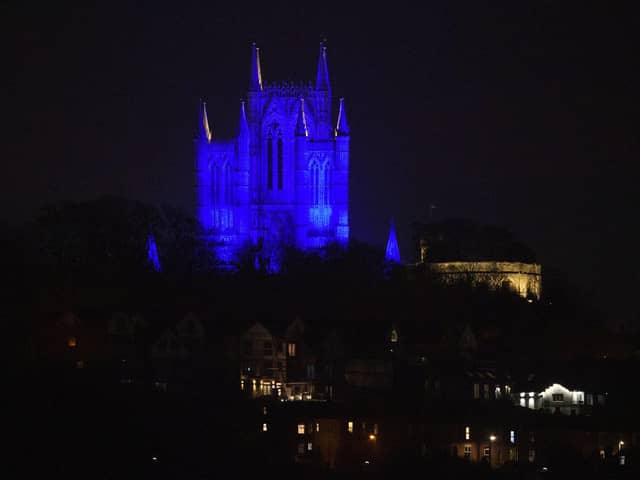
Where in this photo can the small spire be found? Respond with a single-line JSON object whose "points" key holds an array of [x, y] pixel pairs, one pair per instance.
{"points": [[322, 78], [243, 130], [152, 253], [392, 252], [204, 132], [342, 128], [301, 124], [255, 83]]}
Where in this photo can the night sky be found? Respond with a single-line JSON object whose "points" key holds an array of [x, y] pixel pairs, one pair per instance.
{"points": [[524, 116]]}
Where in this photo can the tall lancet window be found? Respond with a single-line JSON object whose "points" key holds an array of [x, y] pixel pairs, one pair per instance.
{"points": [[320, 181], [270, 161], [280, 156], [275, 158], [222, 195]]}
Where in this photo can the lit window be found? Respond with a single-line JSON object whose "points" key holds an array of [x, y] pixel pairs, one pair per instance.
{"points": [[317, 427], [557, 397], [602, 454], [72, 343], [301, 429], [375, 428], [467, 451], [309, 446], [291, 348], [264, 427], [512, 436], [350, 427], [467, 433], [394, 336], [487, 451]]}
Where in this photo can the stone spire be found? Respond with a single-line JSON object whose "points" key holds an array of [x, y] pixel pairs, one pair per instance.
{"points": [[342, 128], [243, 128], [301, 124], [322, 78], [204, 132], [255, 83], [392, 252]]}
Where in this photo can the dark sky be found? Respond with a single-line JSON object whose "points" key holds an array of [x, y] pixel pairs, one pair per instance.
{"points": [[521, 115]]}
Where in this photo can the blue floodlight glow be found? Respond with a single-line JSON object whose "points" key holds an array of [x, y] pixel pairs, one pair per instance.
{"points": [[283, 181], [152, 253], [392, 252]]}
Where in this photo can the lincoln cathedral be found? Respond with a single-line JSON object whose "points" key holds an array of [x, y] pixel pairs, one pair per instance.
{"points": [[283, 181]]}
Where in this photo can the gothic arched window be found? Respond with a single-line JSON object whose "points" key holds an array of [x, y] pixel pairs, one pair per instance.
{"points": [[280, 156], [270, 161]]}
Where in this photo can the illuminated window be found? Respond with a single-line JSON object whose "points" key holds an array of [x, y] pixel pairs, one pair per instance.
{"points": [[557, 397], [394, 336], [486, 452], [375, 428], [291, 349], [350, 427], [301, 429], [467, 451], [309, 446], [317, 427], [498, 393], [72, 343], [467, 433], [241, 384], [512, 436], [264, 427], [476, 390], [602, 454]]}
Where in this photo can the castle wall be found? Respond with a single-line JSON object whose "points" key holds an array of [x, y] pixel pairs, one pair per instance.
{"points": [[523, 278]]}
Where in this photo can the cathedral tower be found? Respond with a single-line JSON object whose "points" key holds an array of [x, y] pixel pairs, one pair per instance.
{"points": [[284, 180]]}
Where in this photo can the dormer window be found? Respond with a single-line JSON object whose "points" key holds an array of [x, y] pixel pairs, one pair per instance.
{"points": [[394, 336]]}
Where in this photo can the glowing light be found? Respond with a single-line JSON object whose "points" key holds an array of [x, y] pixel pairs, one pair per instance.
{"points": [[392, 252], [467, 433], [264, 427], [350, 427], [152, 253], [372, 436], [301, 429], [71, 342], [492, 438]]}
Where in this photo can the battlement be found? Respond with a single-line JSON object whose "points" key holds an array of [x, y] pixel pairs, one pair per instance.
{"points": [[289, 89]]}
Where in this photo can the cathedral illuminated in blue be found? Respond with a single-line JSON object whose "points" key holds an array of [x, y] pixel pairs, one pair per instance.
{"points": [[284, 180]]}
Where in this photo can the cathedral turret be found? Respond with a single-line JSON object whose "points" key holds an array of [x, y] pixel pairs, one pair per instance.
{"points": [[342, 128], [301, 185], [202, 174], [322, 77], [341, 174], [301, 123], [242, 178], [255, 83], [324, 129], [204, 132]]}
